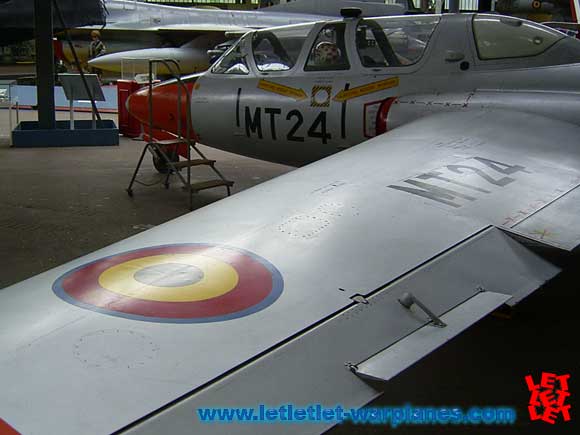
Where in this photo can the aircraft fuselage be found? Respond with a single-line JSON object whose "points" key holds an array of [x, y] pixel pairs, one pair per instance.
{"points": [[300, 113]]}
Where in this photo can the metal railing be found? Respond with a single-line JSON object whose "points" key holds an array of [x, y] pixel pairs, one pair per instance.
{"points": [[173, 67]]}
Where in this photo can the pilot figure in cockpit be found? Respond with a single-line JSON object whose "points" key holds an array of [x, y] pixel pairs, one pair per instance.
{"points": [[327, 54]]}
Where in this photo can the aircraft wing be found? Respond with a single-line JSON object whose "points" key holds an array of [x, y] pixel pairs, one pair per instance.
{"points": [[175, 34], [176, 28], [289, 292], [201, 27]]}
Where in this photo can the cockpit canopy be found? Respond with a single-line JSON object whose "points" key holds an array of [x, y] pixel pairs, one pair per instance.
{"points": [[387, 42], [380, 42], [499, 37], [394, 41], [278, 49]]}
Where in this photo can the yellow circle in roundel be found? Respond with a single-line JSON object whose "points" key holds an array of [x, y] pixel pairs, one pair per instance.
{"points": [[536, 4], [170, 278]]}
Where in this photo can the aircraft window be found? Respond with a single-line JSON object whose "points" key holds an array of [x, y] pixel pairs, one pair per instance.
{"points": [[278, 49], [329, 51], [505, 37], [233, 61], [390, 42]]}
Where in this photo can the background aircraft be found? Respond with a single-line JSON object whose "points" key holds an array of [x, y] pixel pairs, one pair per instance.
{"points": [[541, 10], [17, 17], [186, 34], [303, 289]]}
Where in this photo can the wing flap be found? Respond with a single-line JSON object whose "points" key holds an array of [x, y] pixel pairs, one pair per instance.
{"points": [[393, 360], [555, 225]]}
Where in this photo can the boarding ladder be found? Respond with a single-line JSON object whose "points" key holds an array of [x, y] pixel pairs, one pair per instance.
{"points": [[167, 151]]}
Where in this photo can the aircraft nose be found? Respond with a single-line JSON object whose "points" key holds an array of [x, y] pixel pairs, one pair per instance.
{"points": [[58, 49], [108, 62], [169, 104]]}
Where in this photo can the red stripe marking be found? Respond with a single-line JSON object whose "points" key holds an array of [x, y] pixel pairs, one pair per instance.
{"points": [[6, 429], [58, 50], [383, 114]]}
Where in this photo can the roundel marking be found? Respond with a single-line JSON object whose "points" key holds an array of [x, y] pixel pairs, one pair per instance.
{"points": [[184, 283], [155, 278]]}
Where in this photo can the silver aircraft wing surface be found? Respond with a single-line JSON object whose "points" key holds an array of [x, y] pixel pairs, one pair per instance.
{"points": [[289, 292], [186, 28], [204, 27]]}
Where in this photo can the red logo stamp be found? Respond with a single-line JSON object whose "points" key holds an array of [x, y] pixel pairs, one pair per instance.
{"points": [[548, 398]]}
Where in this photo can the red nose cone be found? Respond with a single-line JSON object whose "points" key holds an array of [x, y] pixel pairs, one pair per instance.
{"points": [[170, 104], [58, 49], [6, 429]]}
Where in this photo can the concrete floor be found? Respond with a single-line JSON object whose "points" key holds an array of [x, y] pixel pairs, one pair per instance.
{"points": [[57, 204]]}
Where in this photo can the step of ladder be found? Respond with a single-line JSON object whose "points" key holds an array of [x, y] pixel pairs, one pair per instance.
{"points": [[202, 185], [192, 163]]}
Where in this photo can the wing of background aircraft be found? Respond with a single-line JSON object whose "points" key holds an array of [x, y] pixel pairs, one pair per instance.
{"points": [[368, 8], [291, 292]]}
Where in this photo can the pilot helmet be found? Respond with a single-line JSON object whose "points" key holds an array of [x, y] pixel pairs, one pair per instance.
{"points": [[327, 53]]}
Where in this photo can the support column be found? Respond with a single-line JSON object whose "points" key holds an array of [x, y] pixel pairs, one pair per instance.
{"points": [[453, 6], [44, 64]]}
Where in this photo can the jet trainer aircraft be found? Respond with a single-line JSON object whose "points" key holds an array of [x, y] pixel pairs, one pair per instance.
{"points": [[296, 94], [350, 269]]}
